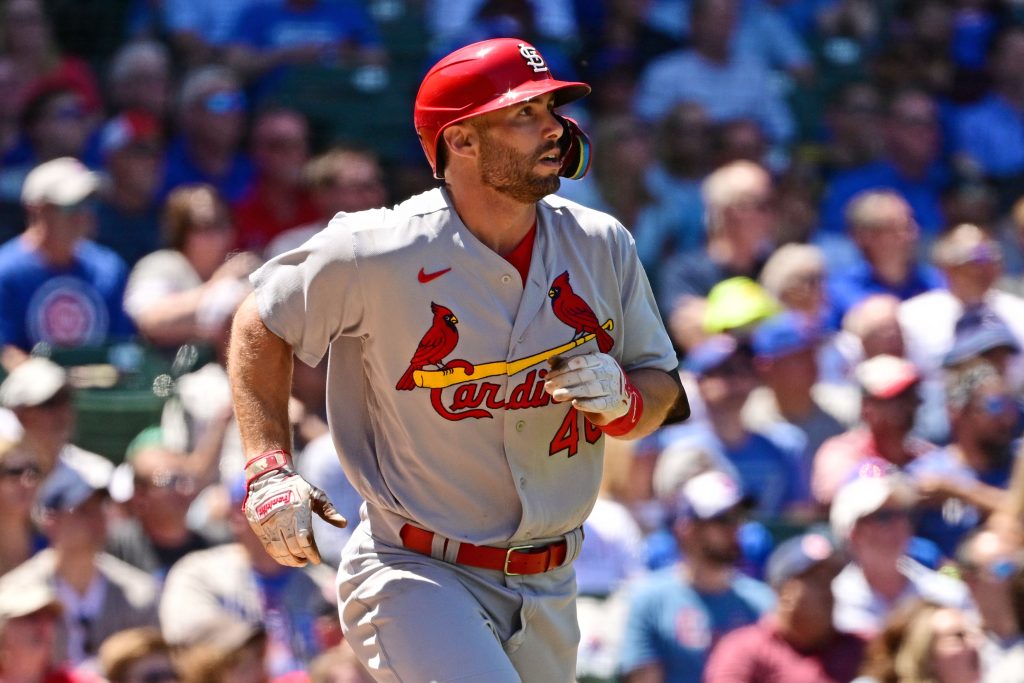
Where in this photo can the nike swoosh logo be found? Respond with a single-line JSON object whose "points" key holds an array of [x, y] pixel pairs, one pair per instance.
{"points": [[427, 277]]}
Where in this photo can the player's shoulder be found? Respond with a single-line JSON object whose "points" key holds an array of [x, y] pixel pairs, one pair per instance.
{"points": [[571, 215], [418, 214]]}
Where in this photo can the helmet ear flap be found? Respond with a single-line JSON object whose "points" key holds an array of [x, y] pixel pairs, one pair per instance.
{"points": [[576, 151]]}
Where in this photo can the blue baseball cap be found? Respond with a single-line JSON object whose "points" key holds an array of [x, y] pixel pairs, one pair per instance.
{"points": [[65, 489], [710, 354], [798, 555], [979, 330], [783, 334]]}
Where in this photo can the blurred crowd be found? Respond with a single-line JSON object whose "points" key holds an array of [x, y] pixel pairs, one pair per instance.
{"points": [[827, 196]]}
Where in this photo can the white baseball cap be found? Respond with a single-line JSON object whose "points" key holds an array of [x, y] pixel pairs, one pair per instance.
{"points": [[62, 182], [886, 376], [709, 494], [34, 381], [864, 495]]}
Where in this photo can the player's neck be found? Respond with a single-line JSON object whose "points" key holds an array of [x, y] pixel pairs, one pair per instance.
{"points": [[494, 218]]}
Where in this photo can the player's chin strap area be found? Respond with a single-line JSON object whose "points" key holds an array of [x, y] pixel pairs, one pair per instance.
{"points": [[515, 560], [576, 149]]}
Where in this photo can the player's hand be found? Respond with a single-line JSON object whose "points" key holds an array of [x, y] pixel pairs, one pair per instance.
{"points": [[279, 506], [594, 382]]}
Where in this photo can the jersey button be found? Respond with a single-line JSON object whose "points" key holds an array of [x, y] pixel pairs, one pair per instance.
{"points": [[520, 426], [522, 482], [505, 279]]}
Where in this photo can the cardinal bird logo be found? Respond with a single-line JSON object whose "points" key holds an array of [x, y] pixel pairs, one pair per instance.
{"points": [[438, 342], [576, 313]]}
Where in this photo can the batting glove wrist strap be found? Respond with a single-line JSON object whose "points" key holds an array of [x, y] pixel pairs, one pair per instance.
{"points": [[279, 505], [596, 384], [626, 423]]}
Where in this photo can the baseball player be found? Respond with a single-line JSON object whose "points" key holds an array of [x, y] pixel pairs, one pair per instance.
{"points": [[484, 338]]}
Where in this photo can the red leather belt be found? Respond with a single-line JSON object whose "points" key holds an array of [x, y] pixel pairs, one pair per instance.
{"points": [[514, 561]]}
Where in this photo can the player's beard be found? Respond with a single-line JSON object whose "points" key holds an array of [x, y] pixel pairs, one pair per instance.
{"points": [[512, 174]]}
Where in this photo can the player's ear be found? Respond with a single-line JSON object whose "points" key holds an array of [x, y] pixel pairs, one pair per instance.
{"points": [[461, 140]]}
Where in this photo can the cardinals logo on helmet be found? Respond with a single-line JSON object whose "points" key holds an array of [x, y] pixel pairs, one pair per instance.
{"points": [[572, 310], [439, 341]]}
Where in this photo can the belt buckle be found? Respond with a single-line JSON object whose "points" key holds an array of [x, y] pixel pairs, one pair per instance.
{"points": [[508, 557]]}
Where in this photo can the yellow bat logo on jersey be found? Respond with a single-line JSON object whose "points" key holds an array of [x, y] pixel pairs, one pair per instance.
{"points": [[441, 379]]}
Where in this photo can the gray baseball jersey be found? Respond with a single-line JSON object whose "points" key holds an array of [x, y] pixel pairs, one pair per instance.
{"points": [[438, 353]]}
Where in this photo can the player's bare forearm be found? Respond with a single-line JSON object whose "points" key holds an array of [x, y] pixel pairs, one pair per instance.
{"points": [[260, 369]]}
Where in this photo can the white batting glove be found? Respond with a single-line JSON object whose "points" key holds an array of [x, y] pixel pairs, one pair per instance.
{"points": [[594, 382], [279, 506]]}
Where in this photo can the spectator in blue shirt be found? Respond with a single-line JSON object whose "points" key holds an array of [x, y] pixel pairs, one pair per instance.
{"points": [[199, 28], [271, 36], [965, 481], [911, 166], [56, 286], [989, 135], [677, 614], [882, 225], [211, 117], [728, 85]]}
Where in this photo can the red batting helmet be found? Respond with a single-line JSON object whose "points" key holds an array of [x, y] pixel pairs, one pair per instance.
{"points": [[484, 77]]}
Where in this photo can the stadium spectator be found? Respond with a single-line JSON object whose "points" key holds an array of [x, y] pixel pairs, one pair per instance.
{"points": [[677, 613], [342, 179], [795, 275], [870, 516], [854, 123], [796, 641], [271, 36], [40, 395], [211, 125], [137, 655], [726, 84], [55, 124], [28, 38], [871, 328], [884, 228], [230, 651], [924, 641], [889, 399], [740, 223], [127, 213], [58, 286], [239, 583], [155, 534], [922, 55], [139, 78], [791, 406], [725, 378], [177, 294], [19, 482], [988, 562], [962, 483], [911, 167], [100, 594], [28, 635], [198, 30], [277, 199]]}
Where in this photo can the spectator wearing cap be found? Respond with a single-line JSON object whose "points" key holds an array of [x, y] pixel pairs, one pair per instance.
{"points": [[988, 562], [889, 400], [40, 394], [791, 404], [797, 641], [277, 200], [870, 517], [677, 613], [19, 483], [28, 635], [154, 534], [99, 593], [127, 213], [211, 120], [884, 229], [740, 220], [725, 378], [58, 286], [962, 483], [238, 586]]}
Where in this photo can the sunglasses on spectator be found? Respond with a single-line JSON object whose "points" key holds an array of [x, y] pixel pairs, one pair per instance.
{"points": [[69, 112], [182, 483], [995, 406], [730, 517], [224, 102], [887, 516], [28, 474]]}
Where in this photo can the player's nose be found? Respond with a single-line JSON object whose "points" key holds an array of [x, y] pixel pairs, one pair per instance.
{"points": [[553, 129]]}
